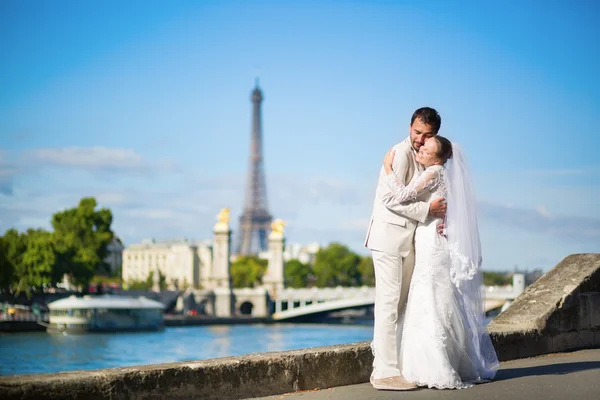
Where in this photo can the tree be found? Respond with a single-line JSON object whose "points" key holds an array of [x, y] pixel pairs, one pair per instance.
{"points": [[7, 270], [38, 260], [138, 285], [495, 279], [248, 271], [12, 246], [336, 265], [148, 283], [82, 235], [366, 270], [297, 274], [185, 285]]}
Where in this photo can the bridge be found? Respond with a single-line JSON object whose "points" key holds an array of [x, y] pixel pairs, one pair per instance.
{"points": [[293, 303], [296, 303]]}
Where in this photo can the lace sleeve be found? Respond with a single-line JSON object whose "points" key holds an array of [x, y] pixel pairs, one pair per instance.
{"points": [[427, 181]]}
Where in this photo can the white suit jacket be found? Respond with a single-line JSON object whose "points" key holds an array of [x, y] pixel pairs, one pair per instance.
{"points": [[392, 225]]}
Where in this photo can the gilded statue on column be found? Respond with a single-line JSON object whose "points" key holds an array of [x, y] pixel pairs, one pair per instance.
{"points": [[278, 226], [223, 219]]}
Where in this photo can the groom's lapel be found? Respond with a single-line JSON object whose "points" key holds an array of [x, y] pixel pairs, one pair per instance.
{"points": [[418, 167]]}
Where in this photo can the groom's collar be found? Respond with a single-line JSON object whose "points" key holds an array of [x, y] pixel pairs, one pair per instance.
{"points": [[419, 166], [407, 140]]}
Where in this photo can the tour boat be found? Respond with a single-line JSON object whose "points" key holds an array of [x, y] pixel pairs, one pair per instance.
{"points": [[104, 313]]}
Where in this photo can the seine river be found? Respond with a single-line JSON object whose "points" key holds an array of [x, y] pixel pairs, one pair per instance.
{"points": [[33, 353]]}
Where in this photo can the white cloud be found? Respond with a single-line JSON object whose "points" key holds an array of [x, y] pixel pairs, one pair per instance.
{"points": [[91, 157], [543, 211], [94, 159]]}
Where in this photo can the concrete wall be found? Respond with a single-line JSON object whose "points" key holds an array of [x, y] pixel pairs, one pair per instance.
{"points": [[560, 312], [223, 378]]}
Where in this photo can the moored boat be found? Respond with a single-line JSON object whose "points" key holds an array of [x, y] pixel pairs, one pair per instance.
{"points": [[105, 313]]}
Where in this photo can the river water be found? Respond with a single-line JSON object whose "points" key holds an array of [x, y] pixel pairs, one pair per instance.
{"points": [[33, 353]]}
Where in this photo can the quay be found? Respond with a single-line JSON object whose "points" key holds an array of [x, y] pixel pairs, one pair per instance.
{"points": [[33, 325], [557, 317], [195, 320]]}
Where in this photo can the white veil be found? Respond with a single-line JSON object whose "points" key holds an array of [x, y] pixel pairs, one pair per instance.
{"points": [[465, 255]]}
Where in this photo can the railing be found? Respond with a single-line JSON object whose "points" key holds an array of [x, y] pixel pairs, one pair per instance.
{"points": [[292, 301]]}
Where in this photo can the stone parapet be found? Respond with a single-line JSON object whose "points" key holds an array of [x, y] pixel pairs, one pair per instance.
{"points": [[559, 312], [224, 378]]}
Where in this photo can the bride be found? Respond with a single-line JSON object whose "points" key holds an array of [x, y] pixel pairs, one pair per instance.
{"points": [[445, 343]]}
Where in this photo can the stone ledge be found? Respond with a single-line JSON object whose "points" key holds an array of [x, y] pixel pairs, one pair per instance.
{"points": [[224, 378], [560, 312]]}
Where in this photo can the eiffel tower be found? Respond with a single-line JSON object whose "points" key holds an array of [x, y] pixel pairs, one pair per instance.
{"points": [[255, 220]]}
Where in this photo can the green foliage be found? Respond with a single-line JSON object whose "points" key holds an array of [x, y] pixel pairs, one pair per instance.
{"points": [[184, 285], [336, 265], [366, 271], [496, 279], [139, 285], [162, 280], [12, 248], [248, 271], [82, 235], [38, 260], [96, 279], [77, 247], [148, 283], [7, 269], [297, 274]]}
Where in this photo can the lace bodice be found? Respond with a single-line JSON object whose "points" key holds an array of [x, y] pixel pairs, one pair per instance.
{"points": [[432, 180]]}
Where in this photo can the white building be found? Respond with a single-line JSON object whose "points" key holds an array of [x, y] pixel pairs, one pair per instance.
{"points": [[304, 254], [182, 262], [295, 251]]}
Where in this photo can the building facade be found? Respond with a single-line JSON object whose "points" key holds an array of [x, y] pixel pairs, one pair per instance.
{"points": [[183, 263], [306, 254]]}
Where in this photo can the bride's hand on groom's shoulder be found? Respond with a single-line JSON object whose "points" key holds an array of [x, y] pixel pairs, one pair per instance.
{"points": [[388, 160]]}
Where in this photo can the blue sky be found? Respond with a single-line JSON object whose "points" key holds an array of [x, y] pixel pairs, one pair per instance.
{"points": [[145, 105]]}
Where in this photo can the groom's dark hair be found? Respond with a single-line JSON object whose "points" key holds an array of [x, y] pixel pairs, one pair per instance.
{"points": [[428, 116]]}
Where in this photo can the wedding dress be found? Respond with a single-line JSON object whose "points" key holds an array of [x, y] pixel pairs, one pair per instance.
{"points": [[445, 343]]}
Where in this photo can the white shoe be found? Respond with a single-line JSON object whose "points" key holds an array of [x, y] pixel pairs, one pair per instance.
{"points": [[392, 383]]}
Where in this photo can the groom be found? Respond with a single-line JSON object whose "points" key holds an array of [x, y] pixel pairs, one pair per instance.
{"points": [[390, 239]]}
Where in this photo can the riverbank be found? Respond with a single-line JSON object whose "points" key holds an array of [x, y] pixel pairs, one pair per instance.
{"points": [[198, 320], [14, 327], [8, 326]]}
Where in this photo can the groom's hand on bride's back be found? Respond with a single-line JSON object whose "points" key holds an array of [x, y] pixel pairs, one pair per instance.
{"points": [[437, 208]]}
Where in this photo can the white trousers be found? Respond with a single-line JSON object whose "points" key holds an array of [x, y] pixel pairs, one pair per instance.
{"points": [[392, 281]]}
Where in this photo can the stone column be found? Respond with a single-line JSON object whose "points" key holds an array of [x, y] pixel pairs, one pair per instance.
{"points": [[273, 279], [221, 268]]}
